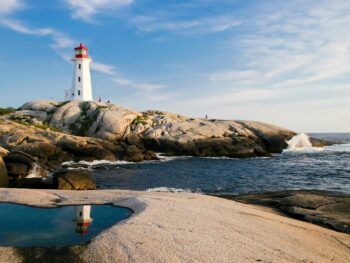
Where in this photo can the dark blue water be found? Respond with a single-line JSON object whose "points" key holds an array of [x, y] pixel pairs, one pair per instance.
{"points": [[26, 226], [322, 170]]}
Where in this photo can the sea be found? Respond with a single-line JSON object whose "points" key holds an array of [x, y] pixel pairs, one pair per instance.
{"points": [[297, 168]]}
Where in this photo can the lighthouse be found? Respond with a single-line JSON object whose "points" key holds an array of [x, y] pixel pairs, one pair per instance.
{"points": [[81, 84], [82, 219]]}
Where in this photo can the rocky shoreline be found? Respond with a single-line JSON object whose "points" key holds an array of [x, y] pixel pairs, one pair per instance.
{"points": [[327, 209], [37, 138]]}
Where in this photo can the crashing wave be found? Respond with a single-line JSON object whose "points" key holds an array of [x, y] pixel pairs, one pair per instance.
{"points": [[301, 142]]}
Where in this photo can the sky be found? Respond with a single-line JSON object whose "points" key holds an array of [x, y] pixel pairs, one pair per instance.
{"points": [[276, 61]]}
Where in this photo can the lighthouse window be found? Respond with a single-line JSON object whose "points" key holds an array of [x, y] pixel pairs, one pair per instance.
{"points": [[79, 92], [80, 214], [79, 66], [78, 79]]}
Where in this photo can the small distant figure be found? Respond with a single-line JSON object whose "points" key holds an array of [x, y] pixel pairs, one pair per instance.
{"points": [[206, 116], [108, 101], [99, 99]]}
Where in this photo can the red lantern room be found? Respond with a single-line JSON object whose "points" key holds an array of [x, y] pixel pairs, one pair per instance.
{"points": [[81, 51]]}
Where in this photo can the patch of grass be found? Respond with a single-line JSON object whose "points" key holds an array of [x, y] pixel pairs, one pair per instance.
{"points": [[4, 111], [39, 126], [138, 120], [46, 126]]}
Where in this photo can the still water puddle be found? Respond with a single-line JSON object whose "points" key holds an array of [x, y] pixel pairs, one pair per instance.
{"points": [[26, 226]]}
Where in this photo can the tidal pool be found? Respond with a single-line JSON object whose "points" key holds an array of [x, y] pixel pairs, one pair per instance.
{"points": [[28, 226]]}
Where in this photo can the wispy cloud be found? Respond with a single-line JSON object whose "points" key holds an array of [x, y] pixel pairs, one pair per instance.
{"points": [[298, 45], [59, 40], [86, 9], [9, 6], [122, 81], [210, 24]]}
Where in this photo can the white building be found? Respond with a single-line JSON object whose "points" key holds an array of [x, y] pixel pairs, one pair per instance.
{"points": [[81, 84], [82, 218]]}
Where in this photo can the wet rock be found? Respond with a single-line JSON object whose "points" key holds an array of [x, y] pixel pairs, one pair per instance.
{"points": [[17, 169], [308, 201], [32, 183], [150, 155], [4, 181], [54, 164], [20, 157], [19, 164], [133, 154], [73, 180], [323, 208]]}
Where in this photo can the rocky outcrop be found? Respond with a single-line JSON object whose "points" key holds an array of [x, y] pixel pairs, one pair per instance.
{"points": [[4, 182], [322, 208], [52, 148], [21, 165], [73, 180], [31, 152], [165, 132]]}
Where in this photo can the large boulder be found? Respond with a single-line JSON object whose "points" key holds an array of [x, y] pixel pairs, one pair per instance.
{"points": [[73, 180], [22, 165], [48, 106], [4, 181], [85, 151]]}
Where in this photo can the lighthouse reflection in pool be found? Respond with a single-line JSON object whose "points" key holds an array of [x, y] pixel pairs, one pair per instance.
{"points": [[26, 226]]}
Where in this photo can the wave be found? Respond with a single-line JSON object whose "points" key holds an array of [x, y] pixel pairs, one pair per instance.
{"points": [[301, 143], [164, 158], [95, 162], [338, 148]]}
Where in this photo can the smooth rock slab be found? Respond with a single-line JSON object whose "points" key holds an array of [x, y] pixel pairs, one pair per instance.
{"points": [[184, 227]]}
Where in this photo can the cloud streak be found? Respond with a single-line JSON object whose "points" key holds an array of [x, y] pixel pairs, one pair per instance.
{"points": [[211, 24], [122, 81], [86, 9], [59, 40], [9, 6], [298, 45]]}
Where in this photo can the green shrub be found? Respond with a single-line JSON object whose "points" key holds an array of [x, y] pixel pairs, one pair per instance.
{"points": [[4, 111]]}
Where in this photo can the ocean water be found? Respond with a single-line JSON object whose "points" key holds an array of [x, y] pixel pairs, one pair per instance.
{"points": [[304, 168]]}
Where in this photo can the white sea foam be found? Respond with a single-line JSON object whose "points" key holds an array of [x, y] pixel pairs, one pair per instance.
{"points": [[34, 172], [96, 162], [168, 190], [163, 158]]}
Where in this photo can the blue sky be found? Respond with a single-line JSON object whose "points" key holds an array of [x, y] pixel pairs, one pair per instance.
{"points": [[283, 62]]}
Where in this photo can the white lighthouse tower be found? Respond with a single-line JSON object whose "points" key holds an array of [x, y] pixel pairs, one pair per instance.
{"points": [[82, 218], [81, 84]]}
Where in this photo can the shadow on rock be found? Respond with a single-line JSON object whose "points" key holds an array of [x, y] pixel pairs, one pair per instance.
{"points": [[52, 255]]}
